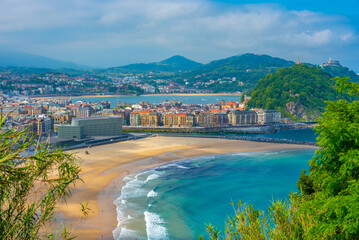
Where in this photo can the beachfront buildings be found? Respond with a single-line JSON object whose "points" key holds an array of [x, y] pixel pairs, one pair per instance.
{"points": [[268, 116], [56, 113], [89, 127], [245, 117], [145, 118], [209, 119], [178, 120]]}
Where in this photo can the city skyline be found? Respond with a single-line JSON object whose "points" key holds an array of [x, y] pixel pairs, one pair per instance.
{"points": [[113, 33]]}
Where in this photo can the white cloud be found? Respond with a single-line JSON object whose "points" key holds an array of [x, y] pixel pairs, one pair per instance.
{"points": [[72, 28]]}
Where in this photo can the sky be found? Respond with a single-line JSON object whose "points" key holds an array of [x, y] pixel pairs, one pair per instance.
{"points": [[104, 33]]}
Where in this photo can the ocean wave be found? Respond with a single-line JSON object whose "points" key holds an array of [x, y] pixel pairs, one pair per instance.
{"points": [[133, 188], [155, 227], [173, 165], [180, 166], [152, 194], [271, 153], [125, 234], [152, 177]]}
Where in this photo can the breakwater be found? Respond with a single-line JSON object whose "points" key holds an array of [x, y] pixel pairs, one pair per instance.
{"points": [[246, 138], [271, 140], [245, 129]]}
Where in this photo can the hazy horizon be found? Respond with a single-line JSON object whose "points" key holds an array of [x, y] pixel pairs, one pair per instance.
{"points": [[114, 33]]}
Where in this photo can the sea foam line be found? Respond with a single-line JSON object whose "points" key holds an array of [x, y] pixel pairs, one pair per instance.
{"points": [[152, 177], [155, 227]]}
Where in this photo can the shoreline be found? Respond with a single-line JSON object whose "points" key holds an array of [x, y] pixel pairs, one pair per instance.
{"points": [[142, 95], [106, 166]]}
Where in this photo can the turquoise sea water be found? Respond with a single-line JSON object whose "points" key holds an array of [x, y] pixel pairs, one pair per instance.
{"points": [[174, 201]]}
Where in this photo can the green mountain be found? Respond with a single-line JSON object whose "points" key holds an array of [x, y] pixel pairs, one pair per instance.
{"points": [[247, 69], [172, 64], [299, 92], [180, 63], [340, 71]]}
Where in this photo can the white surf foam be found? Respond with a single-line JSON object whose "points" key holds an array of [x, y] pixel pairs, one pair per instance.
{"points": [[152, 177], [180, 166], [152, 194], [155, 227], [133, 188], [177, 165]]}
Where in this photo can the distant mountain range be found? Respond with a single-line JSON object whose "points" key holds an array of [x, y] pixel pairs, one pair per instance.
{"points": [[246, 69], [172, 64], [20, 59]]}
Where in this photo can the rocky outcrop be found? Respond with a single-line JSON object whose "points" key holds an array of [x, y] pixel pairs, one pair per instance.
{"points": [[296, 109]]}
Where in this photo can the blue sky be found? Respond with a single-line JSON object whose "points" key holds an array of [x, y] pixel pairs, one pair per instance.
{"points": [[111, 32]]}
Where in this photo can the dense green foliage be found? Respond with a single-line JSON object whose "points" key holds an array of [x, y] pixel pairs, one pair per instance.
{"points": [[340, 71], [334, 170], [31, 184], [327, 206], [300, 91]]}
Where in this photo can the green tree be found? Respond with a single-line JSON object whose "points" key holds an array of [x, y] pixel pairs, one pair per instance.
{"points": [[33, 178], [334, 170], [327, 206], [243, 96]]}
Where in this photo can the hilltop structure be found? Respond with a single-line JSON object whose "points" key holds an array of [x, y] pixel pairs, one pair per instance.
{"points": [[332, 63]]}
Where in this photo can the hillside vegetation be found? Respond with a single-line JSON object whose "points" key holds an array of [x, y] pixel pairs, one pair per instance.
{"points": [[340, 71], [299, 91], [327, 206]]}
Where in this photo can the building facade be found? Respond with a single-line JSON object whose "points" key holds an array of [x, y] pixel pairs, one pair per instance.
{"points": [[269, 116], [44, 125], [178, 120], [89, 127], [62, 118], [145, 118], [243, 117], [208, 119]]}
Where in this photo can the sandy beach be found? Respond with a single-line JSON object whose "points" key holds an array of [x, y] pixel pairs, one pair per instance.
{"points": [[105, 166]]}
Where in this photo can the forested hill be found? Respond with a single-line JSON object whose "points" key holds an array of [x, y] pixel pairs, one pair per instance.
{"points": [[340, 71], [299, 91], [247, 68]]}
